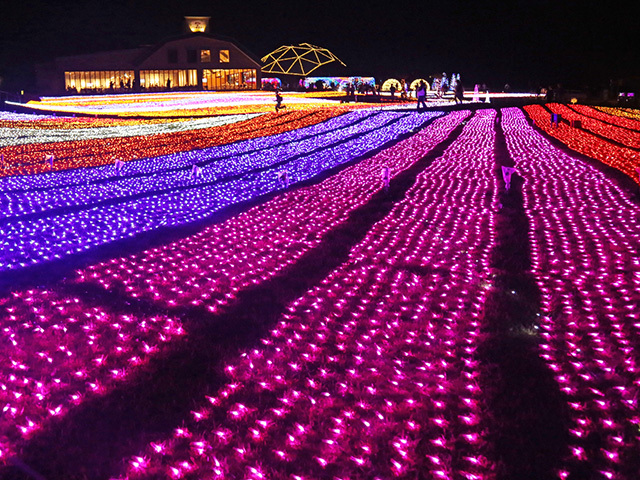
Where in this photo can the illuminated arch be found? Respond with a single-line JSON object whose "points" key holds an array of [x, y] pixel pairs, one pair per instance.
{"points": [[297, 59], [386, 86], [414, 84]]}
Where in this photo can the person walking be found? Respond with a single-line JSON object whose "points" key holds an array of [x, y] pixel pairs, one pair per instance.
{"points": [[459, 92], [421, 93], [279, 105]]}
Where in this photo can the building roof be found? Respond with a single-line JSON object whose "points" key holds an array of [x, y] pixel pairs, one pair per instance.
{"points": [[112, 60], [190, 36], [135, 57]]}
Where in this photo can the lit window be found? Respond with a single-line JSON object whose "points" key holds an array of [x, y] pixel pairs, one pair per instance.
{"points": [[224, 56], [205, 56], [198, 25]]}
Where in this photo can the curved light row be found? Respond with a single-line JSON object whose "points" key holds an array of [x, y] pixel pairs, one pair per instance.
{"points": [[171, 100], [608, 116], [607, 130], [138, 170], [29, 159], [624, 159], [24, 117], [584, 235], [373, 373], [28, 242], [21, 136], [189, 104], [93, 347], [622, 112]]}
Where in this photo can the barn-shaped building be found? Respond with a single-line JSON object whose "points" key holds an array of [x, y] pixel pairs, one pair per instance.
{"points": [[194, 61]]}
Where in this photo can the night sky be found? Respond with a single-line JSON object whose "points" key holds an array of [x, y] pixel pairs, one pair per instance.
{"points": [[526, 44]]}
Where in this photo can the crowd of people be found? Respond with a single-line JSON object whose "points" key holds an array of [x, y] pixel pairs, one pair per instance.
{"points": [[441, 88], [421, 92]]}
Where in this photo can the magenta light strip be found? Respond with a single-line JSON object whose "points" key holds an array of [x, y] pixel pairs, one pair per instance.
{"points": [[56, 350], [211, 267], [372, 374], [45, 374], [585, 233]]}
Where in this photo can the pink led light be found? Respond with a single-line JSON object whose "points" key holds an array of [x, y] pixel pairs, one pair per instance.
{"points": [[99, 348], [583, 232], [317, 367], [57, 350], [258, 244]]}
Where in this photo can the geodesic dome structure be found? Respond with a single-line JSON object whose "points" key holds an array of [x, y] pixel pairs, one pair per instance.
{"points": [[298, 60]]}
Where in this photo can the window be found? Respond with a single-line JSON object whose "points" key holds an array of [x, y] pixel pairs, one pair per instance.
{"points": [[98, 81], [228, 79], [167, 79], [205, 56], [172, 55], [192, 56], [224, 56]]}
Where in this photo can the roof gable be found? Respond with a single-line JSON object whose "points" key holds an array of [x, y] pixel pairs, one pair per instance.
{"points": [[198, 41]]}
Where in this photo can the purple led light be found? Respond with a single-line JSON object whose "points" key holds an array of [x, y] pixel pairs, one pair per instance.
{"points": [[56, 234]]}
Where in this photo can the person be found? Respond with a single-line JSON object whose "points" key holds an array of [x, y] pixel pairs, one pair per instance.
{"points": [[392, 89], [405, 90], [347, 92], [436, 87], [444, 85], [421, 93], [459, 92], [350, 93], [550, 94], [279, 105]]}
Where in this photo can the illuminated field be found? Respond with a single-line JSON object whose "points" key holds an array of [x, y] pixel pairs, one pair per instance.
{"points": [[318, 293], [190, 104], [205, 104]]}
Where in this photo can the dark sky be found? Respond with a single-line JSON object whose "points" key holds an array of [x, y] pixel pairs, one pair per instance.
{"points": [[492, 41]]}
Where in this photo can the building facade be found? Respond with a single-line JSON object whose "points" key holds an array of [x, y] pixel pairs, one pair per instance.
{"points": [[195, 61]]}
